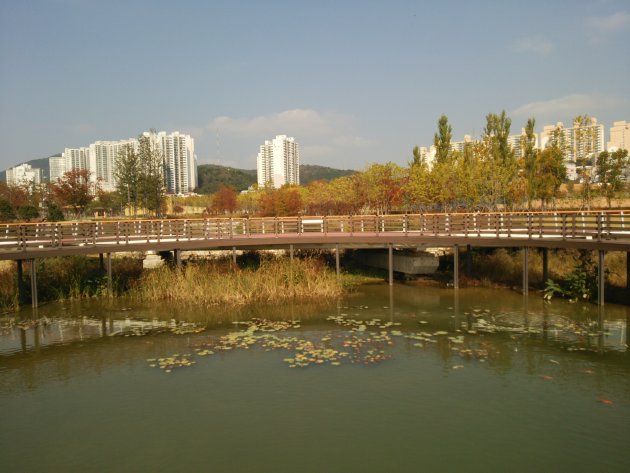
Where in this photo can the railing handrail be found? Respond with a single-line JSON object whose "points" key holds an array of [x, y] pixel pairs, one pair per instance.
{"points": [[595, 224]]}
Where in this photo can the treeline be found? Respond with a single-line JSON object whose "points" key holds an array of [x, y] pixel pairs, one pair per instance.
{"points": [[485, 175]]}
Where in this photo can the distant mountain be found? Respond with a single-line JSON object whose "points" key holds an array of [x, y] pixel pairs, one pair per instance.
{"points": [[211, 176], [312, 172], [41, 163]]}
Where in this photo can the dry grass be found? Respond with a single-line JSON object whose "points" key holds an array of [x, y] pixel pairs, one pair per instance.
{"points": [[220, 282]]}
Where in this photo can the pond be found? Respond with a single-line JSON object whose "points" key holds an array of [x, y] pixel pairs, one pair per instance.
{"points": [[408, 378]]}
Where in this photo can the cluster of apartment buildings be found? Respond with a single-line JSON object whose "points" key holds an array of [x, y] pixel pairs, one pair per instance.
{"points": [[177, 150], [619, 138]]}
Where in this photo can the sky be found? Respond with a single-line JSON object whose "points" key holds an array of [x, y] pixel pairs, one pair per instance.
{"points": [[355, 82]]}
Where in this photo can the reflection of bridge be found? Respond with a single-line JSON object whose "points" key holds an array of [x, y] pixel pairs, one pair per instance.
{"points": [[601, 231]]}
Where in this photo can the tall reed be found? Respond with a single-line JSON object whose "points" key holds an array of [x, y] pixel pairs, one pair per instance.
{"points": [[212, 282]]}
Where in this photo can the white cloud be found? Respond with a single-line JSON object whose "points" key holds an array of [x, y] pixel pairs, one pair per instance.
{"points": [[534, 45], [609, 23], [298, 122], [569, 105]]}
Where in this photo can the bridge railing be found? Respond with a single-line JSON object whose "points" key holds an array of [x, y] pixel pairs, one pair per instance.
{"points": [[599, 225]]}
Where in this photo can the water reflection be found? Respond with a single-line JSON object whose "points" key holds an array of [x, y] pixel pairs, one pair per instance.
{"points": [[489, 326]]}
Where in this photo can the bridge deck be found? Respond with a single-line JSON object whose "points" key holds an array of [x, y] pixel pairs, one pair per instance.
{"points": [[587, 230]]}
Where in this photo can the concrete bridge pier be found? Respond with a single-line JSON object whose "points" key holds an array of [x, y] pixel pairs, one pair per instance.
{"points": [[234, 255], [525, 271], [390, 263], [468, 262], [34, 283], [545, 265], [177, 254], [109, 274], [601, 277], [20, 282], [337, 264], [456, 266]]}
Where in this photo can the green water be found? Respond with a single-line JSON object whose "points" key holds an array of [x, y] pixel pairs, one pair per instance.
{"points": [[513, 385]]}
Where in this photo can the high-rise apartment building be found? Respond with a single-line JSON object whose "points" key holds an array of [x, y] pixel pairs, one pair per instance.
{"points": [[619, 136], [24, 175], [57, 167], [180, 160], [592, 137], [516, 143], [177, 151], [102, 162], [278, 162]]}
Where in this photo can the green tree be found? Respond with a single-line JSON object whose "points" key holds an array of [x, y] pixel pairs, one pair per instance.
{"points": [[529, 152], [583, 151], [6, 211], [551, 173], [128, 174], [442, 140], [503, 169], [27, 212], [610, 167], [152, 173]]}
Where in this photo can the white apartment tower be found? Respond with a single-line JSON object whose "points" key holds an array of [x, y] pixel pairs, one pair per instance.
{"points": [[24, 175], [570, 138], [619, 136], [516, 143], [102, 163], [56, 165], [278, 162], [180, 161]]}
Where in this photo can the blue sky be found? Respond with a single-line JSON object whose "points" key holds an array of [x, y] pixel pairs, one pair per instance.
{"points": [[355, 82]]}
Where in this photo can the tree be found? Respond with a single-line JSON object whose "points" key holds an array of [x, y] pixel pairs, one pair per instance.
{"points": [[418, 160], [610, 167], [497, 131], [74, 190], [442, 140], [224, 200], [152, 173], [27, 212], [583, 149], [551, 173], [6, 211], [503, 169], [128, 174], [529, 152]]}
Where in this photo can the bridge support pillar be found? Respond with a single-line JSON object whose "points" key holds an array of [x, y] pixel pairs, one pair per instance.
{"points": [[545, 265], [178, 258], [20, 282], [109, 273], [601, 279], [101, 262], [468, 262], [34, 283], [525, 271], [390, 263], [234, 255], [456, 266], [337, 264]]}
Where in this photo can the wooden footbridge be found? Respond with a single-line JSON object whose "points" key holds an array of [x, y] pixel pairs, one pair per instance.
{"points": [[596, 230]]}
